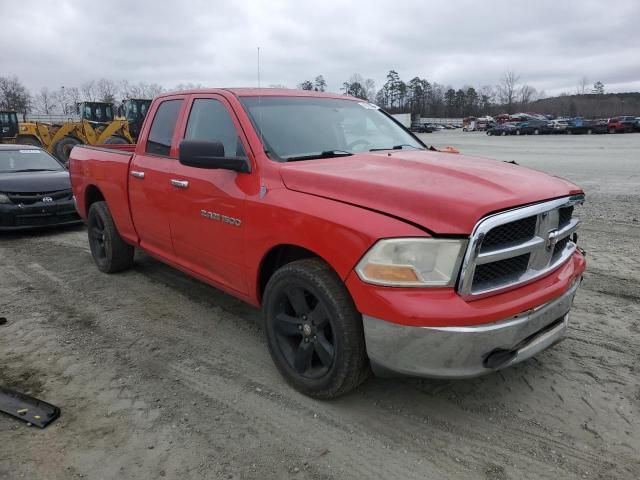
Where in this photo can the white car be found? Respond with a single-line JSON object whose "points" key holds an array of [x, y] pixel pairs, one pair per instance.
{"points": [[559, 125]]}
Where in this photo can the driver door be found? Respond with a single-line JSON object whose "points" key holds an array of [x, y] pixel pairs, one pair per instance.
{"points": [[208, 205]]}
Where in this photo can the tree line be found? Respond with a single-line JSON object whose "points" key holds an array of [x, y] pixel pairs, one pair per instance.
{"points": [[418, 96]]}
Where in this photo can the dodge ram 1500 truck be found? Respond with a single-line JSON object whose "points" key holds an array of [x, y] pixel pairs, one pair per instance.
{"points": [[365, 250]]}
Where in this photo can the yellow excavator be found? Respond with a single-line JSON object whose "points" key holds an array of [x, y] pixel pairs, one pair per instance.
{"points": [[8, 126], [96, 126], [133, 110]]}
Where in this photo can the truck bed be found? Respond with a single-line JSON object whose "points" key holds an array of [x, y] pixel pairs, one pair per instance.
{"points": [[104, 169]]}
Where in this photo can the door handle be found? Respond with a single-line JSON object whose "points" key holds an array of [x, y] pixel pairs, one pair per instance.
{"points": [[179, 183], [137, 174]]}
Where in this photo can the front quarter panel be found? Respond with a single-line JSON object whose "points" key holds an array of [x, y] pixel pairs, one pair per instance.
{"points": [[339, 233]]}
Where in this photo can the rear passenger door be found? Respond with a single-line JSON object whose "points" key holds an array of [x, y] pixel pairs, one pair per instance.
{"points": [[208, 206], [150, 179]]}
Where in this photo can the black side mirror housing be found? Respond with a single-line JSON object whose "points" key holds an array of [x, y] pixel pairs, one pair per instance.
{"points": [[205, 154]]}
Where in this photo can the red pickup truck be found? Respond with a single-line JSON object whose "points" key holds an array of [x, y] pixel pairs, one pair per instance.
{"points": [[364, 249]]}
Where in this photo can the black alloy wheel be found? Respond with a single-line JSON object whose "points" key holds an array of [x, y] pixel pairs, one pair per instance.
{"points": [[110, 252], [313, 330], [304, 332]]}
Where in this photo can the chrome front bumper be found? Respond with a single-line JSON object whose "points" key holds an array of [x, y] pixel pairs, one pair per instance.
{"points": [[463, 352]]}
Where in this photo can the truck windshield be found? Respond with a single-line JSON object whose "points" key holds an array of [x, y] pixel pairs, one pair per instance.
{"points": [[304, 128], [27, 160]]}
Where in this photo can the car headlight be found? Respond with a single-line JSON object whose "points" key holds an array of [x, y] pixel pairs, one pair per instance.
{"points": [[413, 262], [4, 198]]}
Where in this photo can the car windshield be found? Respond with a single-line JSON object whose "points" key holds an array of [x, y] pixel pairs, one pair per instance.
{"points": [[27, 160], [302, 128]]}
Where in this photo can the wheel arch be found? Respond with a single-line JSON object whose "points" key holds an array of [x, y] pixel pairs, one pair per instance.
{"points": [[278, 256], [92, 194]]}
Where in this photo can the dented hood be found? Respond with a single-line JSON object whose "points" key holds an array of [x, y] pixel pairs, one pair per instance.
{"points": [[442, 192]]}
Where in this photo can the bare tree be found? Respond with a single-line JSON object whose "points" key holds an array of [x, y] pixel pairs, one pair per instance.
{"points": [[14, 95], [107, 90], [526, 95], [507, 89], [583, 86], [67, 99], [88, 90], [45, 102], [370, 88]]}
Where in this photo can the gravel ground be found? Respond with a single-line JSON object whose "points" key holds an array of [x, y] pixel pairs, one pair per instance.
{"points": [[159, 375]]}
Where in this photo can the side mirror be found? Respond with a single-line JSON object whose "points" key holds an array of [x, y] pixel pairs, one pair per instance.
{"points": [[204, 154]]}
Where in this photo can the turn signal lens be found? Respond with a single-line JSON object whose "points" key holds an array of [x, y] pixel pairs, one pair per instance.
{"points": [[390, 273], [413, 262]]}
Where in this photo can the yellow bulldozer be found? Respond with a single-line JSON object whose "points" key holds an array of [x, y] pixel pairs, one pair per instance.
{"points": [[96, 126]]}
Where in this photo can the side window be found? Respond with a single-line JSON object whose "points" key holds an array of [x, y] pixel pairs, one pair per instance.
{"points": [[164, 123], [209, 120]]}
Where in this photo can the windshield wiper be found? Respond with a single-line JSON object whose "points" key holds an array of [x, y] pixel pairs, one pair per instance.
{"points": [[324, 154], [395, 147], [35, 170]]}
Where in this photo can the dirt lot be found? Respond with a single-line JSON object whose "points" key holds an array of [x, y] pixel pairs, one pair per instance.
{"points": [[161, 376]]}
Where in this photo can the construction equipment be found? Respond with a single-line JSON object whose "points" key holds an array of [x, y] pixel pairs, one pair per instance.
{"points": [[8, 126], [96, 126], [133, 110]]}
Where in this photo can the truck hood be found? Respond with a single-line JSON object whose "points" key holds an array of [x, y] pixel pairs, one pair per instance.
{"points": [[442, 192], [34, 182]]}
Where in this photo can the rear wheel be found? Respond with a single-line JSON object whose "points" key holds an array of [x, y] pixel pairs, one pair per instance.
{"points": [[518, 132], [116, 140], [503, 133], [536, 132], [28, 141], [589, 131], [110, 252], [612, 130], [313, 330], [62, 149]]}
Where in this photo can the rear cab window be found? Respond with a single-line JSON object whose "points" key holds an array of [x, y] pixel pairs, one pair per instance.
{"points": [[162, 128]]}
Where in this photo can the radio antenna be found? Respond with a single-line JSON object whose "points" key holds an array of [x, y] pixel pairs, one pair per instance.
{"points": [[260, 106], [258, 67]]}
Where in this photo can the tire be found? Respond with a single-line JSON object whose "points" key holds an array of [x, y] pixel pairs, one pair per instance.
{"points": [[313, 330], [109, 250], [612, 130], [589, 131], [536, 132], [63, 147], [116, 140], [503, 133], [28, 141]]}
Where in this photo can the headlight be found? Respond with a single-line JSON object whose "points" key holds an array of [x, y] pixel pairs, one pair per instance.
{"points": [[413, 262], [4, 198]]}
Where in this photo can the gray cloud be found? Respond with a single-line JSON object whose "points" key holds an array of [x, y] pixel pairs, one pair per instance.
{"points": [[550, 44]]}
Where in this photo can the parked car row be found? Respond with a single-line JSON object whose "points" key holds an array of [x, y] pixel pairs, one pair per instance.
{"points": [[575, 126], [418, 127]]}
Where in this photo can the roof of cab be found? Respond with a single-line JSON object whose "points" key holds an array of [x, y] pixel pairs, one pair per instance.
{"points": [[262, 92]]}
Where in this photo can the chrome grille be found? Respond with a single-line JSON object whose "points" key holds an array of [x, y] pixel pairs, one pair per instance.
{"points": [[517, 246]]}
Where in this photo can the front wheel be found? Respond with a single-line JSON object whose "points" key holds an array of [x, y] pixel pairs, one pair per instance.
{"points": [[313, 330], [110, 252], [612, 130]]}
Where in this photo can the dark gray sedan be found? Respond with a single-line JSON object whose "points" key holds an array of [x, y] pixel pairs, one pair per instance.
{"points": [[35, 190]]}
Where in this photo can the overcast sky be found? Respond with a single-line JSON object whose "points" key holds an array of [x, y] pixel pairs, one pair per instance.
{"points": [[551, 45]]}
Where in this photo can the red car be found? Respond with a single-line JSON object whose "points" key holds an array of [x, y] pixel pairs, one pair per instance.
{"points": [[364, 249], [625, 124]]}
